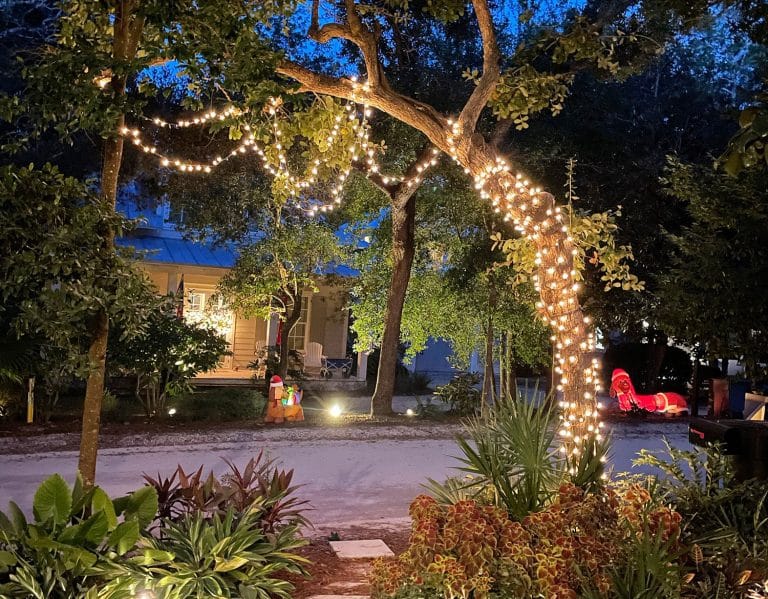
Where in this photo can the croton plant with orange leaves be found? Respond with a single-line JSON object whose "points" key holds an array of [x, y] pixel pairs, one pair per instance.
{"points": [[469, 550]]}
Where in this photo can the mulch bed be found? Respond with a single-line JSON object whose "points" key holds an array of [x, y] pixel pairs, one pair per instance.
{"points": [[331, 575]]}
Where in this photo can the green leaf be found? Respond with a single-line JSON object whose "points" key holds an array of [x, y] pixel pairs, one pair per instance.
{"points": [[53, 500], [7, 559], [233, 563], [100, 502], [17, 517], [125, 536], [142, 505]]}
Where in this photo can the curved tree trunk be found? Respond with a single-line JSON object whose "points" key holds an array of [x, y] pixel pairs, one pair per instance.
{"points": [[403, 249], [533, 213]]}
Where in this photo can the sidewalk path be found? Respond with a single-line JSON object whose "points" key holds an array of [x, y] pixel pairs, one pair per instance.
{"points": [[352, 474]]}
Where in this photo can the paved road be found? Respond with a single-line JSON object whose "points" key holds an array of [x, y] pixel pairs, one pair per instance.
{"points": [[347, 480]]}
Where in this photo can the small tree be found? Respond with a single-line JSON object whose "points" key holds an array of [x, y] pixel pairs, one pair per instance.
{"points": [[273, 273], [56, 276], [165, 357]]}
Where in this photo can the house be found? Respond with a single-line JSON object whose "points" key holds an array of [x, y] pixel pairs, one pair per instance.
{"points": [[170, 259]]}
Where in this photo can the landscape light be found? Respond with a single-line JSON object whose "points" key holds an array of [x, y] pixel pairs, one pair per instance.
{"points": [[172, 411], [410, 412], [335, 410]]}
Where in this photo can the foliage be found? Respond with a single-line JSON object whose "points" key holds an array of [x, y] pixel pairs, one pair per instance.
{"points": [[219, 405], [272, 272], [227, 555], [168, 353], [718, 264], [461, 393], [724, 519], [259, 482], [56, 274], [232, 537], [746, 148], [455, 286], [510, 455], [411, 383], [78, 540], [467, 547]]}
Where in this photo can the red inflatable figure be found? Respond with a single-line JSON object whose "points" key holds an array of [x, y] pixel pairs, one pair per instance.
{"points": [[663, 403]]}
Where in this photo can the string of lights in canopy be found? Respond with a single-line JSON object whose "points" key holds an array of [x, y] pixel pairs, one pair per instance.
{"points": [[275, 162]]}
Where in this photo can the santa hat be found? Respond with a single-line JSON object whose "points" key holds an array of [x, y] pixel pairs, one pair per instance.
{"points": [[275, 381]]}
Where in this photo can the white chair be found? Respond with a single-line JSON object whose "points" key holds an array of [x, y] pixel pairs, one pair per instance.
{"points": [[313, 356]]}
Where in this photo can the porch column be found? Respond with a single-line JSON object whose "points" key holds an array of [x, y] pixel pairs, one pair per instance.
{"points": [[362, 365]]}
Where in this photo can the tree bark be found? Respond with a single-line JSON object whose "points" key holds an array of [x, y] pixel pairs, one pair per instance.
{"points": [[403, 206], [293, 318], [97, 351], [403, 249], [489, 376], [127, 32]]}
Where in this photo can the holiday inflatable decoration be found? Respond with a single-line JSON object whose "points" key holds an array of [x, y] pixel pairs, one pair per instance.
{"points": [[292, 404], [275, 409], [283, 404], [662, 402]]}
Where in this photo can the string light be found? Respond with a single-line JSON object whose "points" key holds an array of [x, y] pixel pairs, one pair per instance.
{"points": [[514, 198], [359, 150]]}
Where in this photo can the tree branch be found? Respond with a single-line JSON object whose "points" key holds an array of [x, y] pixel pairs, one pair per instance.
{"points": [[412, 177], [491, 68], [412, 112]]}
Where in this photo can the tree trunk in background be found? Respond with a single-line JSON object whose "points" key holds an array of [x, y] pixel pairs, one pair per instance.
{"points": [[695, 387], [489, 376], [290, 322], [403, 249], [511, 373], [658, 352], [97, 351], [128, 28]]}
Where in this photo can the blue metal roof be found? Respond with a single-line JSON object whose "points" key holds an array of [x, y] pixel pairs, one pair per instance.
{"points": [[169, 249]]}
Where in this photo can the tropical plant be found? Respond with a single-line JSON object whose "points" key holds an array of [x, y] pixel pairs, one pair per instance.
{"points": [[578, 542], [461, 393], [725, 520], [511, 454], [78, 540], [225, 555], [182, 493], [165, 356]]}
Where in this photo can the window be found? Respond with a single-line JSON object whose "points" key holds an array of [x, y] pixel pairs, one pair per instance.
{"points": [[296, 336], [195, 301]]}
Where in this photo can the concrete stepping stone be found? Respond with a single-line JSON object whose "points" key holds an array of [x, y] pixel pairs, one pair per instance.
{"points": [[364, 549]]}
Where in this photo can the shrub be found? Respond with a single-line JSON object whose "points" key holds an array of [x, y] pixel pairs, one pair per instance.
{"points": [[469, 549], [220, 405], [75, 544], [165, 356], [211, 538], [226, 555], [461, 393], [411, 383], [510, 455], [184, 493], [725, 521]]}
